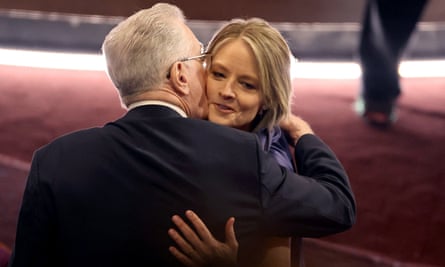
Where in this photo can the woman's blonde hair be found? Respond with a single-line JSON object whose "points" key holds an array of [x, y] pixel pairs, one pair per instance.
{"points": [[272, 55]]}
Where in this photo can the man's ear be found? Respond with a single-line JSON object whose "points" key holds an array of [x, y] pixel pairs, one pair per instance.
{"points": [[179, 78]]}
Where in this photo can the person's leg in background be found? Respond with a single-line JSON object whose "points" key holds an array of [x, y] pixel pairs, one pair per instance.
{"points": [[386, 29]]}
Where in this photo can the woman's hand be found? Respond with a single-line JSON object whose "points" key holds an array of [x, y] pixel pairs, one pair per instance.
{"points": [[294, 127], [200, 248]]}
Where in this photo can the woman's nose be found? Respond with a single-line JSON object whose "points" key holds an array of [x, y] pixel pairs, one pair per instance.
{"points": [[227, 91]]}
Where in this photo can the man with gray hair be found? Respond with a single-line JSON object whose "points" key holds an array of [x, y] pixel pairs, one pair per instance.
{"points": [[105, 196]]}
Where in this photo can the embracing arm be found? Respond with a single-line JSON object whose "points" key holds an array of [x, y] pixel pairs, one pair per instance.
{"points": [[317, 201], [292, 206]]}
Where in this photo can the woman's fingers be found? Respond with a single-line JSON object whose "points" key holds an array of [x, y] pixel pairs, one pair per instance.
{"points": [[196, 246], [230, 234], [182, 244], [189, 234], [186, 253], [199, 225], [181, 257]]}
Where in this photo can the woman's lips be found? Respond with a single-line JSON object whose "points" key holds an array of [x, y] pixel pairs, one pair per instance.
{"points": [[224, 108]]}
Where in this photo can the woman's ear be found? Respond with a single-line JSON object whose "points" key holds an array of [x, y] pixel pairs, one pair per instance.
{"points": [[179, 78]]}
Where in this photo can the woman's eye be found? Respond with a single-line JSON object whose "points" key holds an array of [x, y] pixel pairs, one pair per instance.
{"points": [[248, 85], [217, 74]]}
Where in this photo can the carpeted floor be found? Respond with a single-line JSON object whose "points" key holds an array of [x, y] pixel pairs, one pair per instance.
{"points": [[398, 175]]}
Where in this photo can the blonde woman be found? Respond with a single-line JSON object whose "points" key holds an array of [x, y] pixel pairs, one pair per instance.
{"points": [[249, 88]]}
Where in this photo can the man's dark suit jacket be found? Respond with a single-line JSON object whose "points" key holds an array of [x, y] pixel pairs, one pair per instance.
{"points": [[105, 196]]}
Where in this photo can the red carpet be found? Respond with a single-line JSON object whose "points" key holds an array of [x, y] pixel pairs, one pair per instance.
{"points": [[398, 175]]}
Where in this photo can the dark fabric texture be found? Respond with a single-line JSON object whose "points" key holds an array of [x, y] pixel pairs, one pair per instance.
{"points": [[105, 196]]}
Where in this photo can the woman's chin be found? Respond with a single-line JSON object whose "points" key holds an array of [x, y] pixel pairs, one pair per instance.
{"points": [[219, 120]]}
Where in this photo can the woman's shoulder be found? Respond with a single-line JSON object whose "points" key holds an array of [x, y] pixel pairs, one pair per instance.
{"points": [[270, 137], [274, 142]]}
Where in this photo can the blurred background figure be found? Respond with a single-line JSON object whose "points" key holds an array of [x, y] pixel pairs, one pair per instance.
{"points": [[387, 27]]}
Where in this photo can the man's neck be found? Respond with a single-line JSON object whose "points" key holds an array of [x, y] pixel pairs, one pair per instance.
{"points": [[159, 103], [164, 96]]}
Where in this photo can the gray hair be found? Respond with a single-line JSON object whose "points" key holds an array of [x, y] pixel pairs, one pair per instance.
{"points": [[140, 49]]}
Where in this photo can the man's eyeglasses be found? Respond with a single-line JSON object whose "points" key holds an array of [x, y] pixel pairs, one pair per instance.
{"points": [[201, 57]]}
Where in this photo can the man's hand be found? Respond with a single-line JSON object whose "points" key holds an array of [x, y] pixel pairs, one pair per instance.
{"points": [[200, 248]]}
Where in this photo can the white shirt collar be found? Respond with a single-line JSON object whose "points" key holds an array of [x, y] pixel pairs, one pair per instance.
{"points": [[160, 103]]}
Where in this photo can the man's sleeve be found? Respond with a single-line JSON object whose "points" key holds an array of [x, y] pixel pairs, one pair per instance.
{"points": [[317, 201]]}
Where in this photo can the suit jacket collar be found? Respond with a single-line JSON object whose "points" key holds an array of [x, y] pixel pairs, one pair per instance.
{"points": [[159, 103], [152, 111]]}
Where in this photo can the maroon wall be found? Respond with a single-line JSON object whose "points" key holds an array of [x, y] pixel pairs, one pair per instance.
{"points": [[277, 11]]}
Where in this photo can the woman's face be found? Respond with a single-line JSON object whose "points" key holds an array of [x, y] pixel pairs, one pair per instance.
{"points": [[233, 86]]}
